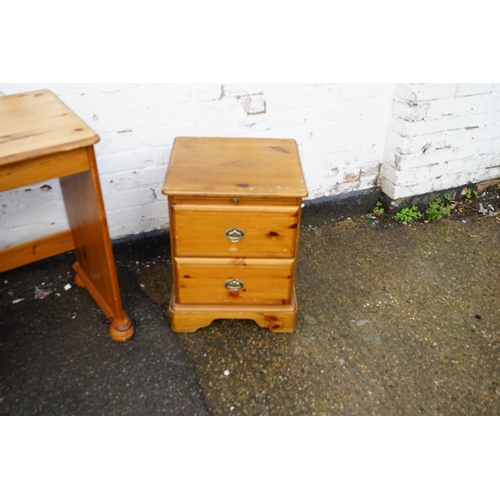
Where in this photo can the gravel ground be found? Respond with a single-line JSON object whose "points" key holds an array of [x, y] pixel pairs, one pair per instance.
{"points": [[393, 320]]}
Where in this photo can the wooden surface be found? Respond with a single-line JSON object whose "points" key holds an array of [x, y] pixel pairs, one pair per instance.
{"points": [[28, 172], [254, 186], [266, 281], [236, 167], [268, 231], [190, 318], [34, 124], [33, 251], [94, 254], [41, 139]]}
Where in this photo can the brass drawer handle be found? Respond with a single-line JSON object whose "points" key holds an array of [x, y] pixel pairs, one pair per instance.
{"points": [[235, 235], [234, 285]]}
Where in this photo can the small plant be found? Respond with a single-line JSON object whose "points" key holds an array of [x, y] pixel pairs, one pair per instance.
{"points": [[378, 210], [438, 209], [408, 214], [470, 195], [447, 197]]}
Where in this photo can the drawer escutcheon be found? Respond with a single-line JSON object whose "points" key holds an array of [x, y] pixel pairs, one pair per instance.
{"points": [[235, 235]]}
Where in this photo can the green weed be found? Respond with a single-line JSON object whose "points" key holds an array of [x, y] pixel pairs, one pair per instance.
{"points": [[438, 209], [470, 195], [409, 214], [378, 210]]}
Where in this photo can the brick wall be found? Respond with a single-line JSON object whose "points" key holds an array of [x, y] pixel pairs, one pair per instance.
{"points": [[411, 138], [441, 136]]}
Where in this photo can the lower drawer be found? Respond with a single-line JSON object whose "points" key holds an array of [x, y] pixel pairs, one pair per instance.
{"points": [[234, 281]]}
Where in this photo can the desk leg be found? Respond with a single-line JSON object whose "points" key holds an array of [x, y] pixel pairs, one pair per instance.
{"points": [[95, 265]]}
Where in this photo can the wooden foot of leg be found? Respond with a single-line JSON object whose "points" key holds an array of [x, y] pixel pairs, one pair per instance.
{"points": [[121, 329], [277, 322], [121, 332], [78, 282]]}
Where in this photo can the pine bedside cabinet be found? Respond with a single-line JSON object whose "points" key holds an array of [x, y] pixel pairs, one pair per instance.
{"points": [[235, 207], [42, 139]]}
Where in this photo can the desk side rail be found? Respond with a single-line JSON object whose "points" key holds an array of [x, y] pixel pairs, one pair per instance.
{"points": [[35, 250]]}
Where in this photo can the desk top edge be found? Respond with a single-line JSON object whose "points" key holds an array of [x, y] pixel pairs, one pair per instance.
{"points": [[37, 123]]}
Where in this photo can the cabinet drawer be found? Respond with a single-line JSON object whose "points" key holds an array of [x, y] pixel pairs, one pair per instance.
{"points": [[234, 281], [209, 231]]}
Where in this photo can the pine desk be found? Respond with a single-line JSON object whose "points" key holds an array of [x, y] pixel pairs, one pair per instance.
{"points": [[42, 139]]}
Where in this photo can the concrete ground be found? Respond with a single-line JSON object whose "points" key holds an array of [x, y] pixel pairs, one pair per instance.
{"points": [[393, 320]]}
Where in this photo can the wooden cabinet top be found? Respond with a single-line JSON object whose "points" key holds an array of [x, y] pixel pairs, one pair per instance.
{"points": [[37, 123], [213, 166]]}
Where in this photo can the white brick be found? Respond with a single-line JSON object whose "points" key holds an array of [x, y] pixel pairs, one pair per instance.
{"points": [[412, 129], [208, 91], [290, 118], [465, 89], [405, 92], [492, 160], [491, 173], [389, 173], [250, 88], [129, 198], [389, 188], [328, 114], [416, 161], [300, 98], [350, 91], [154, 176], [369, 108], [429, 91], [460, 151], [486, 147], [357, 127], [492, 123], [158, 210], [328, 94], [467, 121], [162, 154], [323, 131]]}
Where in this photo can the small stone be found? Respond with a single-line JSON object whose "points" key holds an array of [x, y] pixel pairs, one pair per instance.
{"points": [[362, 322], [310, 319], [227, 373], [372, 338]]}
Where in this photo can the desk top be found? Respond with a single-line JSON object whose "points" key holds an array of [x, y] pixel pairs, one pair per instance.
{"points": [[214, 166], [34, 124]]}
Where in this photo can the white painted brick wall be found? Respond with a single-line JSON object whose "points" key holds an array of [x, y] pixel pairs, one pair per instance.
{"points": [[351, 137], [441, 136]]}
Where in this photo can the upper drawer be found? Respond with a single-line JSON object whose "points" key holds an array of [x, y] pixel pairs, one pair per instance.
{"points": [[243, 231]]}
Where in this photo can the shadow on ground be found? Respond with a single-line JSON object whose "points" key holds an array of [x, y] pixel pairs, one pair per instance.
{"points": [[394, 320]]}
